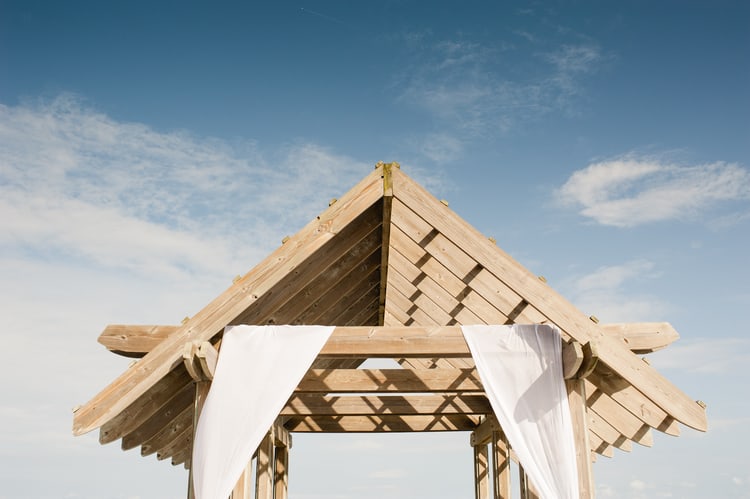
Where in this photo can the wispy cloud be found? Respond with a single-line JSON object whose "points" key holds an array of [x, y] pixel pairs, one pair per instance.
{"points": [[706, 355], [632, 190], [603, 293], [476, 90], [74, 181]]}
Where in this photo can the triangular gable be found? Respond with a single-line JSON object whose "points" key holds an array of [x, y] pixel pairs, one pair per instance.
{"points": [[386, 253]]}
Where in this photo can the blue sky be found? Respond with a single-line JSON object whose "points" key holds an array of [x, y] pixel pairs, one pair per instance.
{"points": [[151, 151]]}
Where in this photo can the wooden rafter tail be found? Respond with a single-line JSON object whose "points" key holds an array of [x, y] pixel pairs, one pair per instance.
{"points": [[134, 341], [642, 337], [226, 307], [543, 298]]}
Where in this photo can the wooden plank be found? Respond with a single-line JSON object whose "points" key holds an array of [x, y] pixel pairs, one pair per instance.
{"points": [[229, 305], [264, 469], [161, 418], [481, 472], [389, 380], [179, 442], [386, 238], [165, 436], [156, 399], [382, 423], [281, 474], [632, 400], [424, 282], [558, 310], [360, 312], [334, 282], [319, 309], [622, 420], [201, 392], [445, 341], [354, 237], [501, 466], [243, 489], [306, 405], [581, 434]]}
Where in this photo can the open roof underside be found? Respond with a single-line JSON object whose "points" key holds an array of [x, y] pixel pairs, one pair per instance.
{"points": [[386, 254]]}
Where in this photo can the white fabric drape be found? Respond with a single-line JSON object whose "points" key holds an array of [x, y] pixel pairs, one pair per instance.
{"points": [[258, 369], [521, 369]]}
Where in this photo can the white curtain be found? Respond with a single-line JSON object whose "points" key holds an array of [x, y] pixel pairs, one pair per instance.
{"points": [[258, 369], [521, 369]]}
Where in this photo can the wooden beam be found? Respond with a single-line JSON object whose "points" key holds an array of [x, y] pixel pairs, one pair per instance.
{"points": [[306, 405], [387, 169], [132, 340], [553, 306], [228, 306], [642, 337], [157, 399], [390, 380], [482, 434], [182, 400], [383, 423]]}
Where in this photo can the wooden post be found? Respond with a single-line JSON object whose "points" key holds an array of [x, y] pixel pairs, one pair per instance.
{"points": [[281, 474], [577, 401], [527, 488], [501, 466], [264, 471], [201, 390], [481, 472], [243, 487]]}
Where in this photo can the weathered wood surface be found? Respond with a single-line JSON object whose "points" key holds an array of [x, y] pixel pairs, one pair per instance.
{"points": [[381, 423], [228, 306], [137, 340], [390, 380], [320, 405], [545, 300]]}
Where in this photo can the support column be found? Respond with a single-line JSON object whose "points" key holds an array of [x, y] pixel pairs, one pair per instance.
{"points": [[264, 471], [528, 491], [501, 466], [201, 390], [244, 487], [281, 473], [200, 362], [577, 401], [481, 472]]}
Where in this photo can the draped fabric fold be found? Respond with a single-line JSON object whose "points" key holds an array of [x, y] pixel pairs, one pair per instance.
{"points": [[258, 369], [521, 369]]}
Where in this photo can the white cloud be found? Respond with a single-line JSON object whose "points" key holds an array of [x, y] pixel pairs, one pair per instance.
{"points": [[705, 355], [630, 191], [468, 88], [638, 485], [602, 293], [79, 183], [388, 473]]}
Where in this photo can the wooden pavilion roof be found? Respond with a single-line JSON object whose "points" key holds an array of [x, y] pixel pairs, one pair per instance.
{"points": [[386, 255]]}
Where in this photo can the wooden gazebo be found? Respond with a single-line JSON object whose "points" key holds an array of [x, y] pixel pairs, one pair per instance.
{"points": [[397, 272]]}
